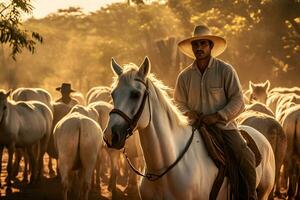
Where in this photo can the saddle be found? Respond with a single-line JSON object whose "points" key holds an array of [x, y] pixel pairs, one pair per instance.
{"points": [[216, 152]]}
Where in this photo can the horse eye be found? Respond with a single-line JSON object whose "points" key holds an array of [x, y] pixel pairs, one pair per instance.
{"points": [[135, 94], [4, 108]]}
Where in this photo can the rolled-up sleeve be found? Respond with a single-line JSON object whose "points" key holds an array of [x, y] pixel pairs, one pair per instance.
{"points": [[235, 101], [181, 94]]}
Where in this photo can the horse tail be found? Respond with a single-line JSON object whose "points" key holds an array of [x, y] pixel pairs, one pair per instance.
{"points": [[77, 162]]}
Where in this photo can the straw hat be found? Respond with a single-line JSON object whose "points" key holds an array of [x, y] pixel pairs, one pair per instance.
{"points": [[65, 87], [202, 32]]}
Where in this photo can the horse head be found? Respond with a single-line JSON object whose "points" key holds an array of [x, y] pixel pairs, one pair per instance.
{"points": [[3, 102], [130, 95], [259, 91]]}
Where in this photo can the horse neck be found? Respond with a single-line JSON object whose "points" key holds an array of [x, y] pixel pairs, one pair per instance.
{"points": [[163, 139], [6, 116]]}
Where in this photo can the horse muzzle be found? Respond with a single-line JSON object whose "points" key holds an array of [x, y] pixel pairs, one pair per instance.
{"points": [[114, 138]]}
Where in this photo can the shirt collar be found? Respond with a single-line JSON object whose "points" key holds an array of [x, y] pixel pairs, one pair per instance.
{"points": [[210, 63]]}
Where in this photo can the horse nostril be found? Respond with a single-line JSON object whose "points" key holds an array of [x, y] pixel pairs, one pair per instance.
{"points": [[115, 138]]}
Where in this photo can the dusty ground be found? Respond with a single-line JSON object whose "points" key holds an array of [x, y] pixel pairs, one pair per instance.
{"points": [[50, 188]]}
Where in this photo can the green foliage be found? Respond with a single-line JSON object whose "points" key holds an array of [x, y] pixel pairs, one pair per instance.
{"points": [[263, 41], [11, 30], [262, 35]]}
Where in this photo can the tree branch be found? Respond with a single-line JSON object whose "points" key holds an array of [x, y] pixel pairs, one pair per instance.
{"points": [[295, 25]]}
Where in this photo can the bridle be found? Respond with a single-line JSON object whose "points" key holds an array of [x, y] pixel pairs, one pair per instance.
{"points": [[133, 125], [133, 122]]}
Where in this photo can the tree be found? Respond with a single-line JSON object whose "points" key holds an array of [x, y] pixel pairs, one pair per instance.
{"points": [[11, 30]]}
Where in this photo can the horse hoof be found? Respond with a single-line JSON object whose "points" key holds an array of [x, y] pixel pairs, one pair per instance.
{"points": [[25, 180], [8, 191], [52, 173]]}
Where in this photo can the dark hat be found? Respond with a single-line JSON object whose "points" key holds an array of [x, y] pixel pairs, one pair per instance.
{"points": [[65, 87]]}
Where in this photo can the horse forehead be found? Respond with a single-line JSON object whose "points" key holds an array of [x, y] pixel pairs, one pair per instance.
{"points": [[126, 85], [260, 90]]}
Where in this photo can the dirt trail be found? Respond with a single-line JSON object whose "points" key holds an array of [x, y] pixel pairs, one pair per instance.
{"points": [[51, 189]]}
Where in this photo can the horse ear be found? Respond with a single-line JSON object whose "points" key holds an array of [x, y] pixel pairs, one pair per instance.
{"points": [[144, 68], [8, 93], [251, 86], [267, 85], [117, 69]]}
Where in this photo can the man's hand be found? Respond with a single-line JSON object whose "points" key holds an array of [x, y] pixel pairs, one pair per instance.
{"points": [[211, 119], [193, 116]]}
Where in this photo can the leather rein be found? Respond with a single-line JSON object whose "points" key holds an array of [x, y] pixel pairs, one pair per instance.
{"points": [[132, 127]]}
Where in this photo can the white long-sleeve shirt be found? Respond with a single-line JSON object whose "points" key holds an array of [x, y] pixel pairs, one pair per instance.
{"points": [[217, 90]]}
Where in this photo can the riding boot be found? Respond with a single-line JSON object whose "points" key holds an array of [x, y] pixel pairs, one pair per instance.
{"points": [[244, 157], [247, 167]]}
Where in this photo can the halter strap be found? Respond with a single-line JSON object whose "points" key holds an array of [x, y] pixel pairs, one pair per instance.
{"points": [[133, 122]]}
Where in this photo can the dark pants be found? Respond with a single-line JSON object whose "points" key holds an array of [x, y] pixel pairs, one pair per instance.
{"points": [[244, 156]]}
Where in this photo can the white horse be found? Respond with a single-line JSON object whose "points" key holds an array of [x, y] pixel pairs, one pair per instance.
{"points": [[79, 97], [99, 93], [259, 91], [164, 133], [291, 126], [28, 94], [23, 124], [59, 111], [273, 131], [78, 139]]}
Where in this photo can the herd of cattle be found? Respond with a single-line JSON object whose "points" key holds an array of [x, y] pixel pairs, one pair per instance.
{"points": [[32, 124]]}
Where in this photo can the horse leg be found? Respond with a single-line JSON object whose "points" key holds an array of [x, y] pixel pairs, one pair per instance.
{"points": [[298, 188], [43, 148], [293, 181], [283, 181], [113, 179], [16, 164], [98, 171], [65, 180], [50, 166], [25, 173], [32, 163], [1, 154], [85, 176], [11, 150]]}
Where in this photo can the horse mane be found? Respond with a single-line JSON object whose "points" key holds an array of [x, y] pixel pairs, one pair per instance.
{"points": [[161, 90]]}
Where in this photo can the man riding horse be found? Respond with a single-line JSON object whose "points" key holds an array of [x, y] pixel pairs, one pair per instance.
{"points": [[209, 92]]}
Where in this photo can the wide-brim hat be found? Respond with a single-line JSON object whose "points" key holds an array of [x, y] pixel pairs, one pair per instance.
{"points": [[202, 32], [65, 87]]}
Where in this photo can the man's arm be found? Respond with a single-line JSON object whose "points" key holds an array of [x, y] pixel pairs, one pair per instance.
{"points": [[181, 94], [233, 91]]}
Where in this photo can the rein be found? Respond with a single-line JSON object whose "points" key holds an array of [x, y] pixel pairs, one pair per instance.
{"points": [[154, 177]]}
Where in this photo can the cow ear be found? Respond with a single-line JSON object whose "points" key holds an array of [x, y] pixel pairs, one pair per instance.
{"points": [[267, 85], [117, 69], [144, 69]]}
